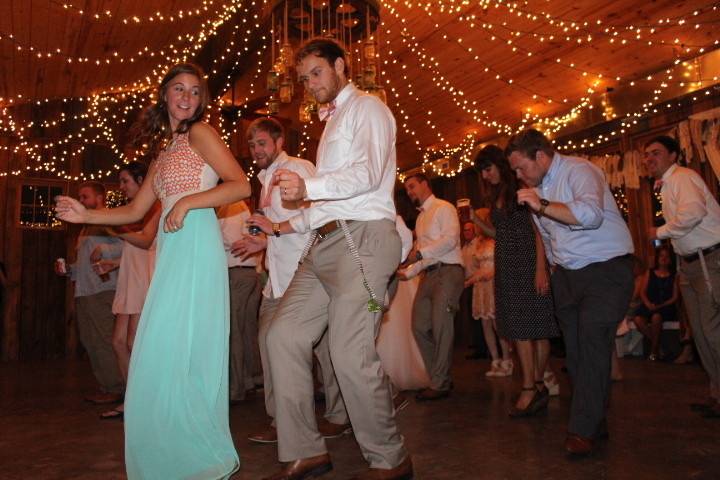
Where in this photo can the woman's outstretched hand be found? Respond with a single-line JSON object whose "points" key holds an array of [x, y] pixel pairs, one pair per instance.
{"points": [[70, 210]]}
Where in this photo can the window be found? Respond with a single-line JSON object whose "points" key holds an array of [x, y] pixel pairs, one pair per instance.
{"points": [[37, 206]]}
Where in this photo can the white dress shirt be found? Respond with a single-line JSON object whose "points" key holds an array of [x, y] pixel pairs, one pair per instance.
{"points": [[355, 174], [438, 231], [283, 252], [692, 214], [232, 219]]}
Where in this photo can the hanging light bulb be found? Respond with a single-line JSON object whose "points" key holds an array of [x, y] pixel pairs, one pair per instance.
{"points": [[370, 49], [280, 67], [369, 76], [286, 54], [310, 101], [273, 81], [286, 90], [304, 113], [273, 106]]}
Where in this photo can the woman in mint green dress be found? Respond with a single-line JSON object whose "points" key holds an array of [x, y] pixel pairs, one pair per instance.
{"points": [[176, 402]]}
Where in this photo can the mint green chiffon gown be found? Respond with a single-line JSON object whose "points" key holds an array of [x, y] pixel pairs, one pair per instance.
{"points": [[176, 402]]}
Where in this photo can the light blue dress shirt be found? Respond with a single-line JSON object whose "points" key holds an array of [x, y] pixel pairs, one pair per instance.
{"points": [[602, 233]]}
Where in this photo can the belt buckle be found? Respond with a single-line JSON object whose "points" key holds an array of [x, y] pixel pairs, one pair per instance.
{"points": [[322, 236]]}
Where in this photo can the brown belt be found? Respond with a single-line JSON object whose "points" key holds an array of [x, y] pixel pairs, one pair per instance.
{"points": [[705, 251], [329, 228]]}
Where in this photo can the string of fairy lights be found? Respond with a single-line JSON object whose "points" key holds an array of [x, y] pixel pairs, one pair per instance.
{"points": [[153, 18], [108, 112], [135, 97], [218, 17], [556, 123]]}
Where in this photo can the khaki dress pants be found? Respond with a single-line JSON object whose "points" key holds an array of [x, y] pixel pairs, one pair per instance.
{"points": [[327, 293]]}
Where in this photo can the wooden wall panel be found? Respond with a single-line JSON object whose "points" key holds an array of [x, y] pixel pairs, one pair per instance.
{"points": [[42, 307]]}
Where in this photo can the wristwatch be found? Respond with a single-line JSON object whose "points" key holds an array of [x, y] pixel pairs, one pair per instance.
{"points": [[543, 205], [276, 229], [418, 256]]}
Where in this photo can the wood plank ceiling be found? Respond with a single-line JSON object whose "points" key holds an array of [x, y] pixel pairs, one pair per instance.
{"points": [[499, 55]]}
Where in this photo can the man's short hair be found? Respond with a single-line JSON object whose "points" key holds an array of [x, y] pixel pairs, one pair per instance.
{"points": [[325, 48], [268, 125], [529, 142], [96, 187], [672, 145], [419, 176]]}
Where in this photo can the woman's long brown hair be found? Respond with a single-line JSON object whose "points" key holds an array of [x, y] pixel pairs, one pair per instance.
{"points": [[153, 128], [507, 189]]}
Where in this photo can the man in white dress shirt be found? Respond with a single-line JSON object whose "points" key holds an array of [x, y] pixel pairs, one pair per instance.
{"points": [[266, 137], [343, 277], [437, 300], [692, 223], [244, 301]]}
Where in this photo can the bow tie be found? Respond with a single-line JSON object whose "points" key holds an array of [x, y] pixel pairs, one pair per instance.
{"points": [[657, 186], [327, 111]]}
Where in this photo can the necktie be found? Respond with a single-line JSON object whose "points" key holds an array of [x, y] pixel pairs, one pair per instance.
{"points": [[327, 111], [657, 186]]}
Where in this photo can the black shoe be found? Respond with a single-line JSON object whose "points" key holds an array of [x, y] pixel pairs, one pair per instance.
{"points": [[538, 404]]}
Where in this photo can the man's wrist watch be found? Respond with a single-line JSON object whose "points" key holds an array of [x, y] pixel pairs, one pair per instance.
{"points": [[418, 256], [276, 229], [543, 205]]}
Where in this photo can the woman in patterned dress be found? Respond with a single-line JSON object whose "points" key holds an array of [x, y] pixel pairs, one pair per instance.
{"points": [[523, 304], [479, 262], [176, 402]]}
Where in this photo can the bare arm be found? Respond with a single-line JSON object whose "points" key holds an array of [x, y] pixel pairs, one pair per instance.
{"points": [[70, 210], [145, 237]]}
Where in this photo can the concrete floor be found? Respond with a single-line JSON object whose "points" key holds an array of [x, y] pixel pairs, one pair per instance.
{"points": [[48, 432]]}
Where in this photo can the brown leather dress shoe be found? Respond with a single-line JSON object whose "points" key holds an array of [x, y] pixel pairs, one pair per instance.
{"points": [[404, 471], [333, 430], [267, 436], [303, 468], [430, 394], [577, 445]]}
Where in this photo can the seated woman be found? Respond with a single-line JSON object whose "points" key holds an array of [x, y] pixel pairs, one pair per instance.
{"points": [[659, 294]]}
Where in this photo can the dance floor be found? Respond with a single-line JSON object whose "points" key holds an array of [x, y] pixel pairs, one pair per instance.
{"points": [[48, 432]]}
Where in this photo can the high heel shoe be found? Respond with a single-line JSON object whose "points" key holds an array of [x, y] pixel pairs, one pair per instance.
{"points": [[551, 383], [537, 404], [496, 369], [543, 396], [506, 368]]}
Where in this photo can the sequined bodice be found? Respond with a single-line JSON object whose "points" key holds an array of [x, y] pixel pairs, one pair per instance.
{"points": [[181, 171]]}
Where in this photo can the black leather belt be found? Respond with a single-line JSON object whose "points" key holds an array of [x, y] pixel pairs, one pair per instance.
{"points": [[329, 228], [705, 251]]}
